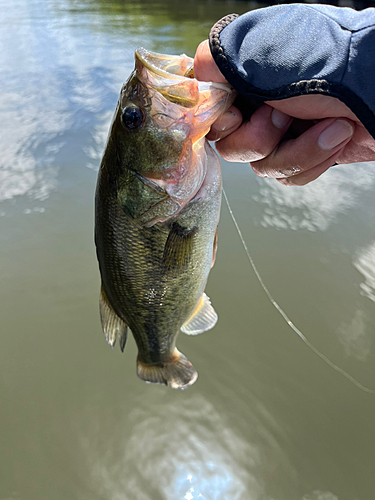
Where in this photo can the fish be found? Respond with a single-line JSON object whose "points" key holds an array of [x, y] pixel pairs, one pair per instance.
{"points": [[157, 208]]}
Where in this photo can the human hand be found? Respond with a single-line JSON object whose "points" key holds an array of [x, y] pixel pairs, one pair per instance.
{"points": [[336, 134]]}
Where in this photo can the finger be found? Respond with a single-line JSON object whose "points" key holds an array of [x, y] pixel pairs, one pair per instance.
{"points": [[205, 68], [225, 124], [313, 106], [311, 174], [360, 148], [310, 149], [257, 138]]}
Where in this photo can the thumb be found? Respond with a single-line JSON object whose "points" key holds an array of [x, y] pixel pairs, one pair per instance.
{"points": [[205, 68]]}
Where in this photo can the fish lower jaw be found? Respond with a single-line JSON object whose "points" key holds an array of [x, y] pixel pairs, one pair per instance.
{"points": [[177, 373]]}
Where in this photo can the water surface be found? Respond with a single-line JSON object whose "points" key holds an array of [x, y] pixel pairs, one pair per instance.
{"points": [[267, 418]]}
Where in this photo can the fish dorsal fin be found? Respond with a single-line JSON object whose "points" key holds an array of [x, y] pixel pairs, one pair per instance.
{"points": [[178, 248], [113, 326], [203, 318]]}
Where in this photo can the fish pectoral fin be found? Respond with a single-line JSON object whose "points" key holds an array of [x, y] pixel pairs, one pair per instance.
{"points": [[178, 248], [113, 326], [178, 373], [203, 318], [214, 249]]}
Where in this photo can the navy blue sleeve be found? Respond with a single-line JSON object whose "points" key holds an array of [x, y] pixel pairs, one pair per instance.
{"points": [[289, 50]]}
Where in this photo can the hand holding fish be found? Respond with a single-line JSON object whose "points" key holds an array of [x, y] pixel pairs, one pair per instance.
{"points": [[328, 122]]}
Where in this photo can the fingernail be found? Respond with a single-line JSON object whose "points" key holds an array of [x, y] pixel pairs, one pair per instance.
{"points": [[335, 134], [280, 119], [226, 121]]}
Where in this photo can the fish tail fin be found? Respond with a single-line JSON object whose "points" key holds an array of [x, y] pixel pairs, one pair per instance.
{"points": [[178, 373]]}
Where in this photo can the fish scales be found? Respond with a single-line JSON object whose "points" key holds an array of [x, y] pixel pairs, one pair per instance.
{"points": [[155, 222], [138, 252]]}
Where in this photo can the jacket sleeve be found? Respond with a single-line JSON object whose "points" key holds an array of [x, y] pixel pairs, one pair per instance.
{"points": [[290, 50]]}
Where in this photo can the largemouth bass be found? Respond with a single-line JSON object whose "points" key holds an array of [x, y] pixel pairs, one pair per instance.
{"points": [[156, 213]]}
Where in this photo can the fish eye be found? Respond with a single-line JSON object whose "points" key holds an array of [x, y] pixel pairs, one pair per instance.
{"points": [[132, 117]]}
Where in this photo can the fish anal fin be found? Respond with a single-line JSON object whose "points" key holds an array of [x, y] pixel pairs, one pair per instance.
{"points": [[113, 326], [178, 373], [203, 318], [178, 248]]}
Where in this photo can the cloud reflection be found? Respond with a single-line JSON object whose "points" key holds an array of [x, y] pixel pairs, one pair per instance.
{"points": [[320, 495], [99, 136], [365, 264], [178, 450], [57, 85], [318, 204], [23, 132], [354, 336]]}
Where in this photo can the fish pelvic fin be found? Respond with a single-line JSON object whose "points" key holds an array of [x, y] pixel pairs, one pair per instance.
{"points": [[178, 373], [203, 318], [113, 326]]}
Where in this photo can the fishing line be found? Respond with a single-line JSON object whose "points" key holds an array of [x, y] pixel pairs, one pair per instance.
{"points": [[284, 315]]}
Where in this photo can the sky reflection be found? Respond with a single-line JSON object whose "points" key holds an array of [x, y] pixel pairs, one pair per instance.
{"points": [[317, 205], [320, 495], [267, 420], [179, 450], [30, 141], [356, 333], [62, 88], [365, 264], [356, 336]]}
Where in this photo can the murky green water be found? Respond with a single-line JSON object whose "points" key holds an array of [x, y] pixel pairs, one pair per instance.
{"points": [[267, 419]]}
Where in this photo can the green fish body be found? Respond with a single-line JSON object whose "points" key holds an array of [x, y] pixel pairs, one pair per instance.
{"points": [[156, 214]]}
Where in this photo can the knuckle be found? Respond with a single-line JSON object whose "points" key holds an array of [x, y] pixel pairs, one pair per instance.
{"points": [[295, 162], [263, 150], [259, 144], [260, 150]]}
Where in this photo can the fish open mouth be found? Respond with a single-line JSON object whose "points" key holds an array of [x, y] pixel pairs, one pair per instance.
{"points": [[166, 74], [171, 76], [186, 106], [165, 65]]}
